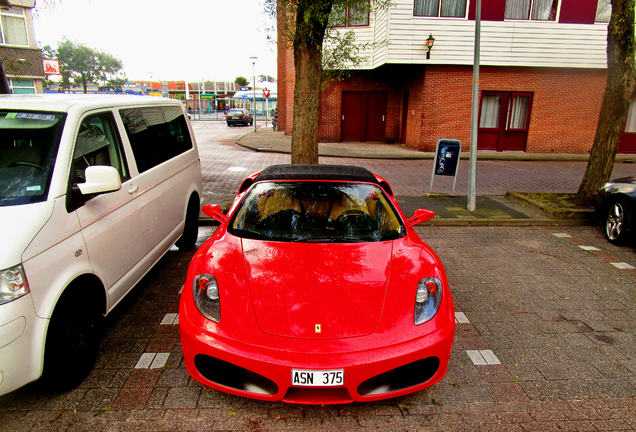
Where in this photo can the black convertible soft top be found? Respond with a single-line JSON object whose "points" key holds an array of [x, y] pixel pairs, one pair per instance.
{"points": [[316, 172]]}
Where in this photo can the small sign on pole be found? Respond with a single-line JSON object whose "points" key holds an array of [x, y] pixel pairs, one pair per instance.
{"points": [[446, 163]]}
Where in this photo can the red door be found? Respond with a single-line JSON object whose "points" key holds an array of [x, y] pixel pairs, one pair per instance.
{"points": [[353, 116], [376, 116], [363, 116], [504, 118]]}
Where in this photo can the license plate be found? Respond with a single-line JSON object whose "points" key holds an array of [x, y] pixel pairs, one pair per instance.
{"points": [[317, 378], [235, 118]]}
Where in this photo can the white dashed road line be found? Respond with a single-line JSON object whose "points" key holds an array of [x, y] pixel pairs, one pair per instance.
{"points": [[461, 318], [483, 357], [589, 248], [170, 319], [623, 265], [152, 360]]}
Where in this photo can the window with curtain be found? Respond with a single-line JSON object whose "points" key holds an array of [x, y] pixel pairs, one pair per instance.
{"points": [[354, 16], [13, 26], [489, 117], [440, 8], [539, 10], [518, 112], [603, 11]]}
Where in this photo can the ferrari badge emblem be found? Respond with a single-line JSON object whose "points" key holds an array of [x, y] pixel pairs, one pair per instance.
{"points": [[318, 328]]}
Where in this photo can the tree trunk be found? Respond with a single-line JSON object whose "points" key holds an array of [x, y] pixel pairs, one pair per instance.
{"points": [[619, 91], [307, 89], [311, 22], [4, 85]]}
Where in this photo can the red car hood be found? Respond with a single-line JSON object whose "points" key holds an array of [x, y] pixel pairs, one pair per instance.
{"points": [[318, 290]]}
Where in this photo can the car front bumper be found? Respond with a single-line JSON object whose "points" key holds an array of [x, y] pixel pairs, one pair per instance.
{"points": [[266, 373], [21, 344]]}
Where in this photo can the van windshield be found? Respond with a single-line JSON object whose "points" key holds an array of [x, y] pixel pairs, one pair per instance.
{"points": [[28, 147]]}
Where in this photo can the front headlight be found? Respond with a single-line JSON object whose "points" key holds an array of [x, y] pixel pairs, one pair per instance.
{"points": [[205, 291], [13, 284], [427, 299]]}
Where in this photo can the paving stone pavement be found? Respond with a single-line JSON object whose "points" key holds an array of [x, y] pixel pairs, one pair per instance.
{"points": [[556, 323], [545, 335]]}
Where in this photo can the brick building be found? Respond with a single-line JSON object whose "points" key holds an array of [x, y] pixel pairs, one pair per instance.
{"points": [[542, 77], [21, 58]]}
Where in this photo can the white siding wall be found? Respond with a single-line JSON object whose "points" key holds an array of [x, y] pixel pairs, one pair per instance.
{"points": [[503, 43]]}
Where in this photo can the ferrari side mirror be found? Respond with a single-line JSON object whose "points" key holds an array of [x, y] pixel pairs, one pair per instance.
{"points": [[215, 212], [419, 216]]}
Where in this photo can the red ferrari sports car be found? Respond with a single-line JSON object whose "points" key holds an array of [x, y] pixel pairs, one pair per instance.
{"points": [[316, 289]]}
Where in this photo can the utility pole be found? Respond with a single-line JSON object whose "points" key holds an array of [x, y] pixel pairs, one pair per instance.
{"points": [[474, 120], [254, 88]]}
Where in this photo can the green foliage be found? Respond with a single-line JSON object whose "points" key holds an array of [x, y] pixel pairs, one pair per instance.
{"points": [[82, 65], [340, 49], [242, 81]]}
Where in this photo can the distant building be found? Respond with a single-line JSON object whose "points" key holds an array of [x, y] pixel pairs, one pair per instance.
{"points": [[21, 59], [543, 74]]}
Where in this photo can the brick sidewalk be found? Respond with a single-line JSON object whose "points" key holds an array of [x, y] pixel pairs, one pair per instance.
{"points": [[545, 341]]}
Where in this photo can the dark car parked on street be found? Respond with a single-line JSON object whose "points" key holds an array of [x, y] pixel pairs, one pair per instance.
{"points": [[616, 209], [239, 116]]}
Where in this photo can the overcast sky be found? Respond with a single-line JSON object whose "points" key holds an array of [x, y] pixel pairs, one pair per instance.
{"points": [[166, 40]]}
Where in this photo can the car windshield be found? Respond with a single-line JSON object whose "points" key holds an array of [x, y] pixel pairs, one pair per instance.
{"points": [[236, 112], [316, 211], [28, 147]]}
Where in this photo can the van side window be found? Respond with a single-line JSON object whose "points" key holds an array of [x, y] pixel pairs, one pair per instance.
{"points": [[98, 143], [156, 134]]}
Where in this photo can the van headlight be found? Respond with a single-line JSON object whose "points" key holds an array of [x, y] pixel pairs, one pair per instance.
{"points": [[13, 284], [205, 291], [427, 299]]}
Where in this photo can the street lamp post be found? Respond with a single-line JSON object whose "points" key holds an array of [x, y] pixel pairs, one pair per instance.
{"points": [[254, 88]]}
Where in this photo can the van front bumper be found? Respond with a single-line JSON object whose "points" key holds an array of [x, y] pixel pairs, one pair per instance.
{"points": [[21, 344]]}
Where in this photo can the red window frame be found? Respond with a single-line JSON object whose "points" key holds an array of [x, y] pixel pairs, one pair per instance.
{"points": [[528, 17], [439, 11]]}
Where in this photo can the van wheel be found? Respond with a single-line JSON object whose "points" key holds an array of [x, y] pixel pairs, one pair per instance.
{"points": [[72, 344], [191, 229]]}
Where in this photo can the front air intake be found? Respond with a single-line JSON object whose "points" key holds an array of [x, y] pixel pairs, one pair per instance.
{"points": [[229, 375], [409, 375]]}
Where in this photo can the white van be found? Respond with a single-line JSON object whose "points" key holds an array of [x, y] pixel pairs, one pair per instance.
{"points": [[93, 191]]}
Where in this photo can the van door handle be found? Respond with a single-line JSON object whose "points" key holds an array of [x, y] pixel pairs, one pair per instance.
{"points": [[343, 117], [382, 117], [132, 189]]}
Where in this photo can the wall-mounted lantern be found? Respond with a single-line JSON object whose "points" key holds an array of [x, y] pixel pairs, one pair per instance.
{"points": [[430, 40]]}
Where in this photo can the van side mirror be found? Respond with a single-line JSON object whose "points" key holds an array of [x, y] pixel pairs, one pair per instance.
{"points": [[215, 212], [419, 216], [100, 179]]}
